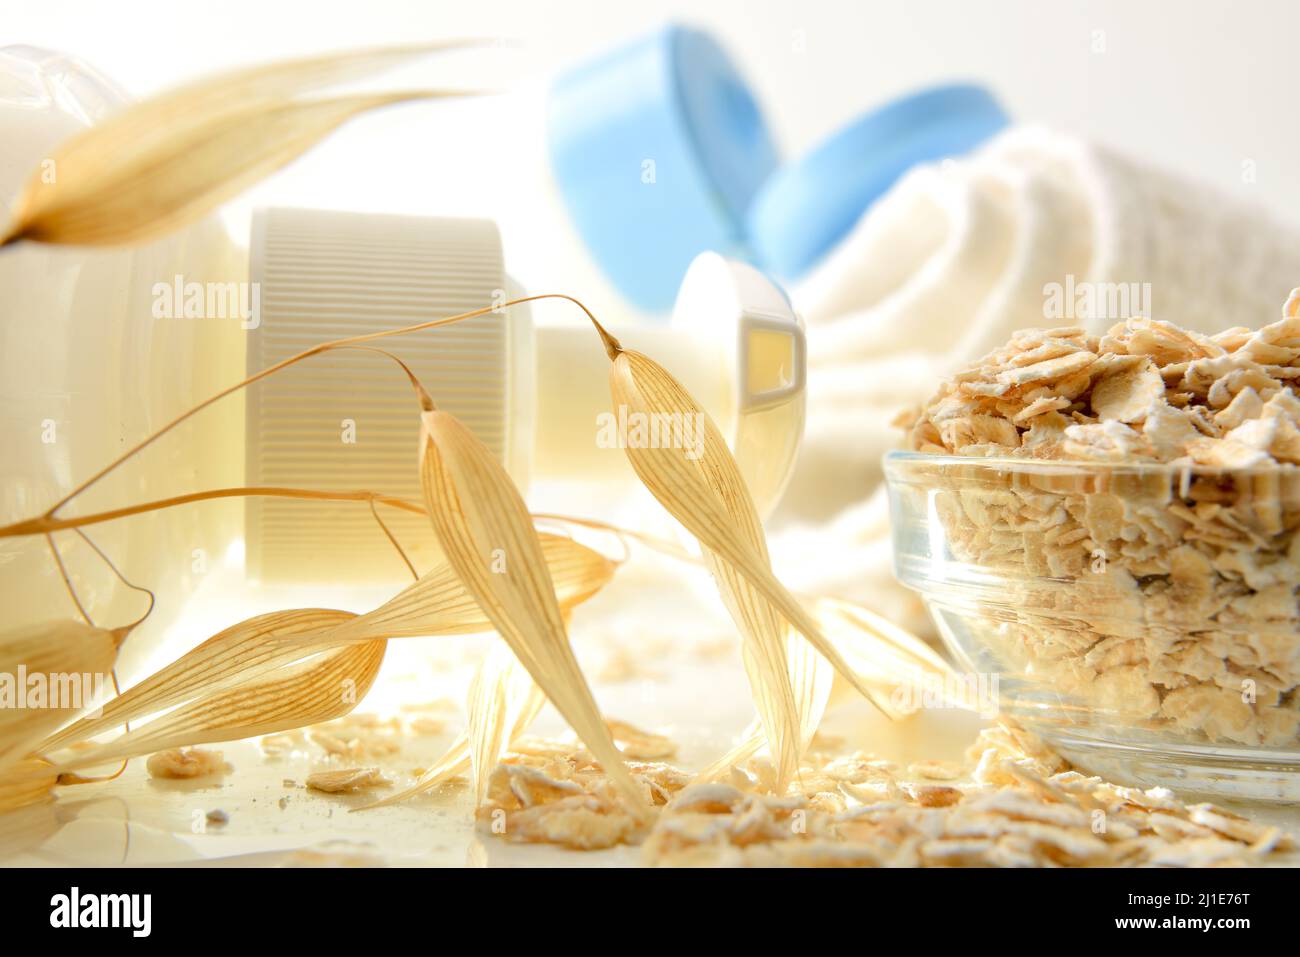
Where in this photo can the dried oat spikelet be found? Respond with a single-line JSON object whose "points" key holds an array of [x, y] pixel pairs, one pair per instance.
{"points": [[812, 679], [709, 497], [487, 721], [169, 160], [51, 648], [488, 538], [714, 483], [453, 764], [29, 781], [888, 658], [242, 652], [439, 604], [322, 687], [502, 702], [885, 656]]}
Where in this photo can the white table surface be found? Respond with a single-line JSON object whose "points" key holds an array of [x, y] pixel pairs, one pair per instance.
{"points": [[665, 617]]}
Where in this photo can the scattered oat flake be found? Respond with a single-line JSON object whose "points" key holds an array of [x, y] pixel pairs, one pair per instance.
{"points": [[178, 764], [621, 665], [277, 745], [936, 770], [332, 743], [638, 744], [347, 780], [333, 854], [1024, 806], [426, 726]]}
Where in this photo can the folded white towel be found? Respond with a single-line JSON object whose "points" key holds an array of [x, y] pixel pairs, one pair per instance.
{"points": [[1036, 229]]}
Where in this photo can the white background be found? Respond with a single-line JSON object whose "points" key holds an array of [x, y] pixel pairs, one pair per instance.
{"points": [[1201, 87]]}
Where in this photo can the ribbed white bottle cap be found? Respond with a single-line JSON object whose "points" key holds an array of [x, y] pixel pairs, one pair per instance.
{"points": [[348, 419]]}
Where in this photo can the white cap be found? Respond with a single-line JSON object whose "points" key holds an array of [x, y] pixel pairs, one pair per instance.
{"points": [[763, 365], [348, 419]]}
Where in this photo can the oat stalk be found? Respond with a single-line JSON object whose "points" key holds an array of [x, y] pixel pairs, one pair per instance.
{"points": [[488, 538], [709, 497], [167, 161]]}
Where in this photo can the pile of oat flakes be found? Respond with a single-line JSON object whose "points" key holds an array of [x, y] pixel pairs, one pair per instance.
{"points": [[1155, 581], [1014, 803]]}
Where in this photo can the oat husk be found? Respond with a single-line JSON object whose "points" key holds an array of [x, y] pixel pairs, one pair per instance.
{"points": [[503, 701], [710, 499], [488, 538], [439, 604], [642, 386], [324, 686], [26, 782], [50, 649], [168, 161]]}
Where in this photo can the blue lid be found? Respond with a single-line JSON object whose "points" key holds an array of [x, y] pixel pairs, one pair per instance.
{"points": [[658, 149], [808, 206]]}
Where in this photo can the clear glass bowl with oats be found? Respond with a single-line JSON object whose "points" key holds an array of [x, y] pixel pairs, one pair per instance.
{"points": [[1111, 526]]}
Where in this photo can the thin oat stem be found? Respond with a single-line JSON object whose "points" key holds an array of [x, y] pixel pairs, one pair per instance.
{"points": [[44, 524], [661, 545], [67, 582], [72, 777], [124, 630], [117, 689], [153, 599], [426, 402], [393, 541]]}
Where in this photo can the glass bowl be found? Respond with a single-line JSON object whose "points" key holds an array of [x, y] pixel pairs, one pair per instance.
{"points": [[1142, 619]]}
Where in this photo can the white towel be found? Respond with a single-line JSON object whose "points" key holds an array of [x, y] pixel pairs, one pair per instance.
{"points": [[956, 257]]}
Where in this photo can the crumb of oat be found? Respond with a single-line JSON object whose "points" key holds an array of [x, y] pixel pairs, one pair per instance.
{"points": [[936, 770], [333, 854], [178, 764], [331, 743], [716, 648], [822, 741], [423, 725], [357, 741], [217, 817], [347, 780], [621, 665], [640, 745], [278, 745]]}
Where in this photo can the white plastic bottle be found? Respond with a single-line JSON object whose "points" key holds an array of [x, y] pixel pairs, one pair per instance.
{"points": [[103, 346]]}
